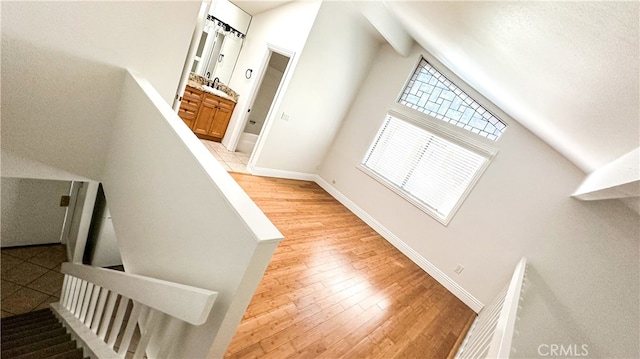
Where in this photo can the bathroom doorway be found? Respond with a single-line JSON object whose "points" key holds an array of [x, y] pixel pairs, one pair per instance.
{"points": [[263, 101]]}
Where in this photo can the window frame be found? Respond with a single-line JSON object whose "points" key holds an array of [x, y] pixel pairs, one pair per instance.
{"points": [[464, 87], [441, 129]]}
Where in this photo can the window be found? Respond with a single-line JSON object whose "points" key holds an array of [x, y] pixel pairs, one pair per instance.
{"points": [[426, 166], [431, 93]]}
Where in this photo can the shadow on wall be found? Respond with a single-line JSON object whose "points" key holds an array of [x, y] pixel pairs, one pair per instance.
{"points": [[543, 317], [57, 109]]}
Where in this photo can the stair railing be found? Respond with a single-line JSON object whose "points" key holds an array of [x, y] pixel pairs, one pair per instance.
{"points": [[491, 334], [104, 308]]}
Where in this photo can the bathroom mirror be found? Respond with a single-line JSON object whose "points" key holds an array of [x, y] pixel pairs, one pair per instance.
{"points": [[221, 41]]}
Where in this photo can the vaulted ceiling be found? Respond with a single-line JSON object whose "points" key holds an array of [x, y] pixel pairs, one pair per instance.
{"points": [[568, 71]]}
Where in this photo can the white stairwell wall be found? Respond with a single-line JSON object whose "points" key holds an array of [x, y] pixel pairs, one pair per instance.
{"points": [[179, 216]]}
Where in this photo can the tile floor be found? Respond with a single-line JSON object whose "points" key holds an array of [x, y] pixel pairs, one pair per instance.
{"points": [[31, 277], [231, 161]]}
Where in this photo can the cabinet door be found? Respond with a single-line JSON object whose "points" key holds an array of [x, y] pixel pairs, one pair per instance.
{"points": [[221, 120], [206, 115]]}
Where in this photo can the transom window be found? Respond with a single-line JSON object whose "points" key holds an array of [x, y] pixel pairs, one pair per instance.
{"points": [[424, 165], [431, 93]]}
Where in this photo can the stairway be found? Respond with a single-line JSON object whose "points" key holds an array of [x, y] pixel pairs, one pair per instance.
{"points": [[36, 335]]}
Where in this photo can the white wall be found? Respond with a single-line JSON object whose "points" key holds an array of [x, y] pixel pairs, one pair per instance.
{"points": [[31, 212], [179, 216], [61, 79], [334, 61], [584, 256], [231, 14], [285, 27]]}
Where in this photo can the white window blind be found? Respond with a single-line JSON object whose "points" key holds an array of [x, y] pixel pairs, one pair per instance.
{"points": [[432, 172]]}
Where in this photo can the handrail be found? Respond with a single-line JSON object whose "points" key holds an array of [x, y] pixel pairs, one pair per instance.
{"points": [[184, 302], [492, 332], [501, 342]]}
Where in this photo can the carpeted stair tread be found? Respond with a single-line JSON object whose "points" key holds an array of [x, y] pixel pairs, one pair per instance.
{"points": [[71, 354], [50, 351], [33, 338], [32, 321], [29, 329], [36, 335], [22, 319], [13, 352]]}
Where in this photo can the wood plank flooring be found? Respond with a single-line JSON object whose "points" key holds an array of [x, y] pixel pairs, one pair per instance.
{"points": [[336, 289]]}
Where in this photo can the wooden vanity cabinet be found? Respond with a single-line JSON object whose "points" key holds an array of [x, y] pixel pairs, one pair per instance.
{"points": [[190, 105], [221, 119], [211, 118]]}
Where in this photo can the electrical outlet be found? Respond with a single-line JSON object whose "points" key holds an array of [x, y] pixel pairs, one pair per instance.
{"points": [[459, 269]]}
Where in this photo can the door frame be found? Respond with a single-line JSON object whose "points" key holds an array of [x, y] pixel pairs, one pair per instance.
{"points": [[205, 7], [275, 104]]}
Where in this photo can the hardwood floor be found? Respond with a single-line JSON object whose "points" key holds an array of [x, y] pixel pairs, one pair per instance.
{"points": [[336, 289]]}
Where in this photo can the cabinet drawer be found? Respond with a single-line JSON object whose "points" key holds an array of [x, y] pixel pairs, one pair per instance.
{"points": [[191, 97], [210, 100], [190, 105], [187, 114], [226, 104], [192, 92]]}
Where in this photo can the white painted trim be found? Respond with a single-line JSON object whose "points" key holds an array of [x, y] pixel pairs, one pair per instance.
{"points": [[187, 303], [191, 53], [418, 259], [86, 214], [505, 327], [268, 172], [275, 102], [234, 135]]}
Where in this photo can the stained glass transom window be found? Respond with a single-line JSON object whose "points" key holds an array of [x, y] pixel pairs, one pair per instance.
{"points": [[430, 92]]}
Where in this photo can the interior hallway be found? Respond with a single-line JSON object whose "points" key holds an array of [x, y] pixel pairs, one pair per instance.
{"points": [[336, 289]]}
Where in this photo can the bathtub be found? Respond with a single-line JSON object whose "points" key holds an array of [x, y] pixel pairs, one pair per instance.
{"points": [[247, 142]]}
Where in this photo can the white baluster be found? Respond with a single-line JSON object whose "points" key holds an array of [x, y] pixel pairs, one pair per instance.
{"points": [[92, 305], [99, 310], [117, 322], [76, 293], [150, 325], [85, 302], [106, 319], [174, 330], [132, 323], [65, 286]]}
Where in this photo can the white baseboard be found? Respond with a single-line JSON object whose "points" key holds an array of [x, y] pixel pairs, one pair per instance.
{"points": [[422, 262], [268, 172]]}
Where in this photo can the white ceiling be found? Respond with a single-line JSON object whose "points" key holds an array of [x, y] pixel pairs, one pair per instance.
{"points": [[257, 6], [568, 71]]}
